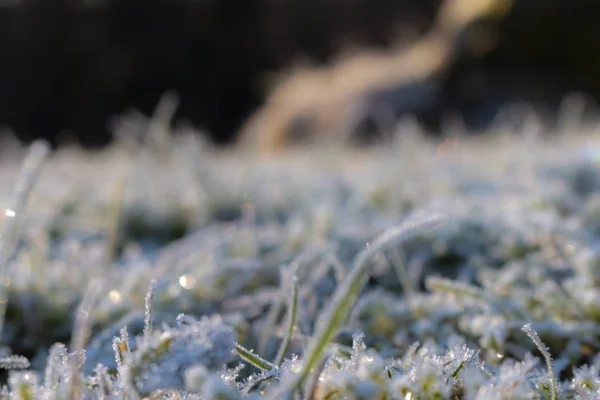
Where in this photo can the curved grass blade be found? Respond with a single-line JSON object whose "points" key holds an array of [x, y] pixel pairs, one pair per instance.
{"points": [[346, 294]]}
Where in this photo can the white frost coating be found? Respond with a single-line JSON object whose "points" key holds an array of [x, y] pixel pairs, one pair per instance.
{"points": [[9, 233], [345, 296], [522, 246]]}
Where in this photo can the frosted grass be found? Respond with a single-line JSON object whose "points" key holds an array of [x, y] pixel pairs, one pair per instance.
{"points": [[194, 305]]}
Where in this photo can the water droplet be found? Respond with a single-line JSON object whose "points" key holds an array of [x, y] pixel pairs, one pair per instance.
{"points": [[115, 296], [295, 368], [187, 281], [569, 249]]}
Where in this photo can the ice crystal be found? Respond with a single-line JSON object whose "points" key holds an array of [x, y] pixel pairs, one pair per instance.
{"points": [[329, 275]]}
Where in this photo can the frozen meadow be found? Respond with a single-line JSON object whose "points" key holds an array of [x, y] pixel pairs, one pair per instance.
{"points": [[462, 269]]}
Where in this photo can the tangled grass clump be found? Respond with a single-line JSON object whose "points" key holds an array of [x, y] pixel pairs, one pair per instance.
{"points": [[405, 272]]}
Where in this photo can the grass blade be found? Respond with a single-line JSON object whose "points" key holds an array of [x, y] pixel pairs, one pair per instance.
{"points": [[10, 231], [346, 294], [253, 358], [291, 321]]}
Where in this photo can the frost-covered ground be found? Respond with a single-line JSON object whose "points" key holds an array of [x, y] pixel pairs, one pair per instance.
{"points": [[408, 271]]}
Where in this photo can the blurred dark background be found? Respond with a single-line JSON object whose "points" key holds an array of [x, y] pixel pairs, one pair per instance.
{"points": [[68, 66]]}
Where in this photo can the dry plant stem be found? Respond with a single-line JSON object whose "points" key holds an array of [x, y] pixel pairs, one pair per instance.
{"points": [[10, 231], [346, 294]]}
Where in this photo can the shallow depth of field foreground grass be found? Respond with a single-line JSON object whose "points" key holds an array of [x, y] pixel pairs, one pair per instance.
{"points": [[467, 270]]}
